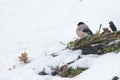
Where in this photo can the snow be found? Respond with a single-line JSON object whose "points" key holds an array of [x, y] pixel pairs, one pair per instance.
{"points": [[38, 27], [105, 67], [85, 62]]}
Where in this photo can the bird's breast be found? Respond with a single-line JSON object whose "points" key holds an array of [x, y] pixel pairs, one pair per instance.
{"points": [[81, 34]]}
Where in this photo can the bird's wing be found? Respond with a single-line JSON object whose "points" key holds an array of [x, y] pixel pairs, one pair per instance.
{"points": [[88, 31]]}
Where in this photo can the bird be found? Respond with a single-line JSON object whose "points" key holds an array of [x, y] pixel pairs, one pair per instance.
{"points": [[112, 26], [83, 30]]}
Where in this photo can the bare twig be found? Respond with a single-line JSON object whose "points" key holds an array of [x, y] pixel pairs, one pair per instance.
{"points": [[62, 43], [99, 28], [45, 53]]}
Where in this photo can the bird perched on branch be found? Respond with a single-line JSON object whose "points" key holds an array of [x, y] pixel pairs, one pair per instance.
{"points": [[112, 26], [83, 30]]}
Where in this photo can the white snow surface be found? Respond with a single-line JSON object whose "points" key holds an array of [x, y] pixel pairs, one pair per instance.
{"points": [[38, 27]]}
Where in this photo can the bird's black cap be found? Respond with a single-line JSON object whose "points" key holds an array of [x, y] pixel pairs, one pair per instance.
{"points": [[80, 23]]}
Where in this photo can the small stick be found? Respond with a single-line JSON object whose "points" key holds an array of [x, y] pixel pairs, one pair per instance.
{"points": [[99, 28], [62, 43], [45, 53]]}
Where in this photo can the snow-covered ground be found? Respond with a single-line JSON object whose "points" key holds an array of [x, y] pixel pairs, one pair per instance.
{"points": [[38, 27]]}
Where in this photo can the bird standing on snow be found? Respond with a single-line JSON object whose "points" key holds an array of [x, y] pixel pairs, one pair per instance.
{"points": [[112, 26], [83, 30]]}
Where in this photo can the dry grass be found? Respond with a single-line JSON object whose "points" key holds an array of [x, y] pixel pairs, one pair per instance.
{"points": [[24, 57]]}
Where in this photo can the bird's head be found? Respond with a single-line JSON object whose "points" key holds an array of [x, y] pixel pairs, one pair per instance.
{"points": [[80, 23]]}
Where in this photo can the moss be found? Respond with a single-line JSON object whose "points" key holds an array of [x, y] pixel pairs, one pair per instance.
{"points": [[101, 40], [71, 44], [99, 51], [97, 35], [84, 41], [70, 72], [112, 48]]}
